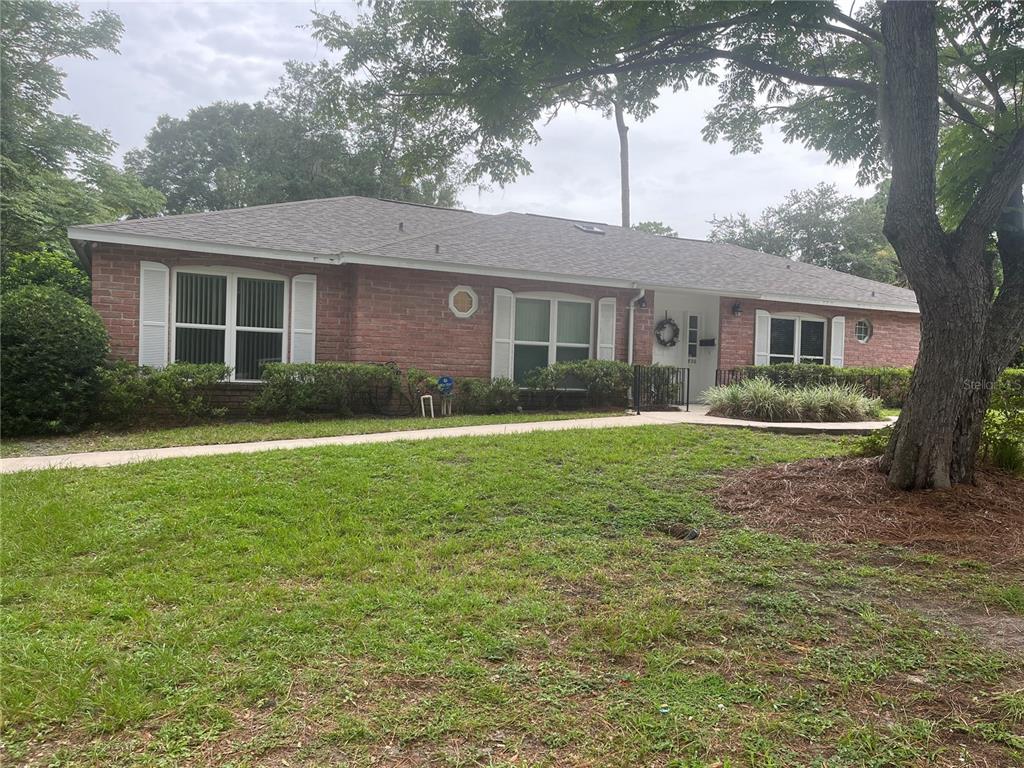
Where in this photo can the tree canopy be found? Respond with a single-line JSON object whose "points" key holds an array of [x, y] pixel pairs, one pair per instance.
{"points": [[54, 170], [319, 133], [819, 226]]}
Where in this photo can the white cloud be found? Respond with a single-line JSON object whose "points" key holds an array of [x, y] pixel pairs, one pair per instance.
{"points": [[175, 56]]}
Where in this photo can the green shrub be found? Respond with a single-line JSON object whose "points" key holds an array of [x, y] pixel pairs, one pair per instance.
{"points": [[130, 395], [606, 382], [1002, 440], [762, 400], [307, 389], [874, 443], [46, 267], [50, 346], [480, 396], [891, 385]]}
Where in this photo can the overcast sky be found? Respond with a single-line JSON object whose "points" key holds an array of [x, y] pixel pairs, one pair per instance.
{"points": [[175, 56]]}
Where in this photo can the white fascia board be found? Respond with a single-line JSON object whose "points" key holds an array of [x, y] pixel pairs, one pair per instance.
{"points": [[197, 246]]}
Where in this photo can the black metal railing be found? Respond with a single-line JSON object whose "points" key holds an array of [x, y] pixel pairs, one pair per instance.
{"points": [[658, 386]]}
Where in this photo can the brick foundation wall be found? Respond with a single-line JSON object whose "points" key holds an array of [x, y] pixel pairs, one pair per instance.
{"points": [[364, 313], [894, 339]]}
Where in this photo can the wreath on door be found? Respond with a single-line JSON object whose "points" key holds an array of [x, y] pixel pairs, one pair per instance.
{"points": [[667, 332]]}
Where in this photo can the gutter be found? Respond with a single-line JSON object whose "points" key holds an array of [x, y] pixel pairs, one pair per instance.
{"points": [[632, 323]]}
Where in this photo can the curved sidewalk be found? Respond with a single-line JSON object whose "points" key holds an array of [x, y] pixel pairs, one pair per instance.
{"points": [[695, 416]]}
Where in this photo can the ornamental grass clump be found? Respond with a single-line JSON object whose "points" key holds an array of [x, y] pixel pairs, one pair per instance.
{"points": [[763, 400]]}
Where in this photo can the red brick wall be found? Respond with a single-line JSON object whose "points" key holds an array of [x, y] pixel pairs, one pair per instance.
{"points": [[402, 315], [894, 340], [364, 313]]}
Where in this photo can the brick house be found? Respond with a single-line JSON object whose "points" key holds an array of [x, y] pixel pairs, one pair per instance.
{"points": [[469, 295]]}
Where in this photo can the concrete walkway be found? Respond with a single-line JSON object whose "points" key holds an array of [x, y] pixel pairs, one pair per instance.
{"points": [[697, 415]]}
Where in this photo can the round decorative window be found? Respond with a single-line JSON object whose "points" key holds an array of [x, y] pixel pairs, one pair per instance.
{"points": [[462, 301], [863, 330]]}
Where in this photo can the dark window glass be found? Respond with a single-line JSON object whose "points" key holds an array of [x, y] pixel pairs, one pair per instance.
{"points": [[812, 341], [201, 299], [253, 350], [198, 345], [782, 340], [568, 354], [528, 358]]}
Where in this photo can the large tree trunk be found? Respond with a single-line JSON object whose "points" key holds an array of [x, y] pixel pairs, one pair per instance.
{"points": [[967, 337]]}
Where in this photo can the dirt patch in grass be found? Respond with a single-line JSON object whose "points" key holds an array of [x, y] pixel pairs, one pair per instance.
{"points": [[848, 500]]}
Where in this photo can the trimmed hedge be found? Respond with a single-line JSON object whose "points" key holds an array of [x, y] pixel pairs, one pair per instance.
{"points": [[606, 382], [340, 389], [130, 395], [480, 396], [891, 385], [51, 345]]}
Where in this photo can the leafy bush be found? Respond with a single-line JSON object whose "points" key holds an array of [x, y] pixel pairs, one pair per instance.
{"points": [[873, 443], [50, 346], [1003, 431], [889, 384], [607, 382], [46, 267], [131, 396], [763, 400], [479, 396], [306, 389]]}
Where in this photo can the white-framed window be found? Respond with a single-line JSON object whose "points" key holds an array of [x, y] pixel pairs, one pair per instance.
{"points": [[549, 328], [463, 301], [232, 316], [692, 338], [796, 339], [863, 330]]}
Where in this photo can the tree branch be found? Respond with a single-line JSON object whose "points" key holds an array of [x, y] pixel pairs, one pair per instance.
{"points": [[712, 54], [1007, 173], [860, 26], [990, 86], [960, 110]]}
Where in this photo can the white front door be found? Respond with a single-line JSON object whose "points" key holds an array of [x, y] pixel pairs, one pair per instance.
{"points": [[696, 316]]}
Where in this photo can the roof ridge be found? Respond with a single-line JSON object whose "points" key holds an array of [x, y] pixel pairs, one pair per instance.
{"points": [[223, 211], [424, 205]]}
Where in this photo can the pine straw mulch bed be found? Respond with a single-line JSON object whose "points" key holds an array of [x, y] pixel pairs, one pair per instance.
{"points": [[848, 500]]}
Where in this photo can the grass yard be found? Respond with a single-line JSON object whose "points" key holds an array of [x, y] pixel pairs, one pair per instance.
{"points": [[506, 601], [252, 431]]}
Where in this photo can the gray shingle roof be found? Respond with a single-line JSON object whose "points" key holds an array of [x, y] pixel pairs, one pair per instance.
{"points": [[350, 227]]}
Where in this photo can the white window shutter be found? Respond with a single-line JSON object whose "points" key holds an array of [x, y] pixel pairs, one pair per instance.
{"points": [[501, 335], [303, 340], [838, 340], [154, 307], [606, 329], [762, 336]]}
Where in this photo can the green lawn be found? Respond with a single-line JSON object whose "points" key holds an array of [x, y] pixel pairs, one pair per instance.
{"points": [[250, 431], [502, 601]]}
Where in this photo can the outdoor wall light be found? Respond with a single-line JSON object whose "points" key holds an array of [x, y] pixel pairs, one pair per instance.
{"points": [[737, 309]]}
